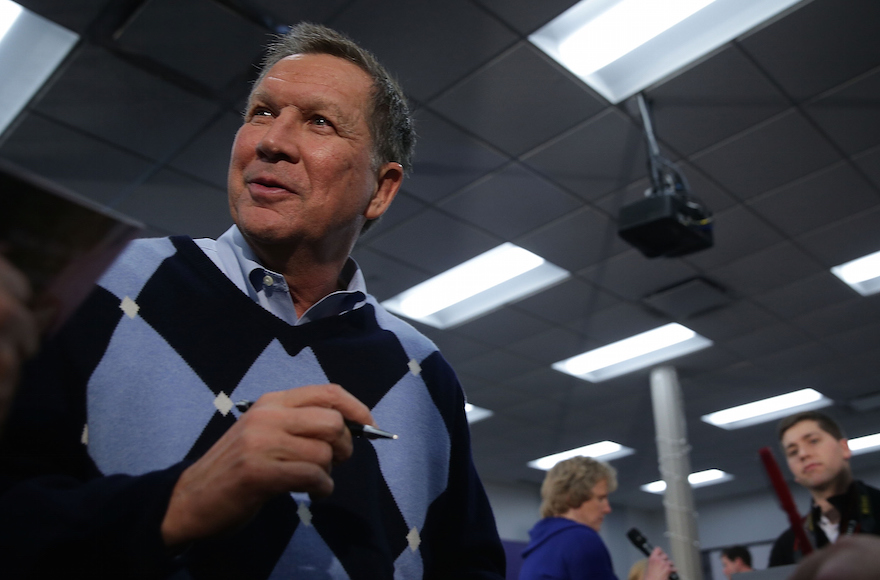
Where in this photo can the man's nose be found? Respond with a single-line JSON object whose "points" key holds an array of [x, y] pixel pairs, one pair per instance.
{"points": [[279, 141]]}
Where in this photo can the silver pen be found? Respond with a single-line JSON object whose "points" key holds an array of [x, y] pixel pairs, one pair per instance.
{"points": [[357, 430]]}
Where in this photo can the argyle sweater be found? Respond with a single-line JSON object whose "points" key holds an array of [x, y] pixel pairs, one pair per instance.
{"points": [[140, 383]]}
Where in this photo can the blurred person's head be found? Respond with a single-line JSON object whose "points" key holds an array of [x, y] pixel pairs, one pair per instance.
{"points": [[637, 570], [577, 489], [735, 559], [817, 452]]}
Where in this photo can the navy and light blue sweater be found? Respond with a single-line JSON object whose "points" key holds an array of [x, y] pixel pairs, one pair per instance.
{"points": [[139, 384]]}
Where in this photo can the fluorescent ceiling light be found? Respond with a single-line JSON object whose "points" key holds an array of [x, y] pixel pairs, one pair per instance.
{"points": [[768, 409], [604, 450], [9, 13], [864, 444], [475, 413], [619, 47], [481, 284], [698, 479], [31, 48], [633, 353], [862, 274]]}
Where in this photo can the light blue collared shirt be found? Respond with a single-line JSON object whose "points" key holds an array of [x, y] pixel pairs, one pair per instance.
{"points": [[235, 258]]}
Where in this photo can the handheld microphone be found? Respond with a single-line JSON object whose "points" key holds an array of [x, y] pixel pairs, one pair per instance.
{"points": [[640, 542]]}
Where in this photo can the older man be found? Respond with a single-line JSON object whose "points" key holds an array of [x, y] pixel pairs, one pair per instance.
{"points": [[565, 544], [131, 458], [818, 457]]}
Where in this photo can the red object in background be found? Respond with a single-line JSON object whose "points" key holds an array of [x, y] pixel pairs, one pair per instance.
{"points": [[786, 500]]}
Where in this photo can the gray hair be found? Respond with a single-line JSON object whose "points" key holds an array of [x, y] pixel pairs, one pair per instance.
{"points": [[391, 125]]}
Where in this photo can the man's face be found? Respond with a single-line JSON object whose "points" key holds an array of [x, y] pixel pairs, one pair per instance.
{"points": [[593, 511], [731, 567], [815, 457], [302, 167]]}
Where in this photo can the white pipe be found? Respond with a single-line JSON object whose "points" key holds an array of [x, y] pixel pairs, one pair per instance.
{"points": [[675, 466]]}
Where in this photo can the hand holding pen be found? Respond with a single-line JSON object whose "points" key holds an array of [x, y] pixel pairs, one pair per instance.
{"points": [[288, 441]]}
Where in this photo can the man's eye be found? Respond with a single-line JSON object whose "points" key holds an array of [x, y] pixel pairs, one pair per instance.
{"points": [[321, 121]]}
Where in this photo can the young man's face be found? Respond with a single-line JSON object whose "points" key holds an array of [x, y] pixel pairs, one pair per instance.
{"points": [[815, 457], [731, 567]]}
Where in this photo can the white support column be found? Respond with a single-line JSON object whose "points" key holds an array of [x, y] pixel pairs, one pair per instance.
{"points": [[675, 466]]}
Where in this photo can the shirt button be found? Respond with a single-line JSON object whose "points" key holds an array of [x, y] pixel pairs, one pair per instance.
{"points": [[268, 280]]}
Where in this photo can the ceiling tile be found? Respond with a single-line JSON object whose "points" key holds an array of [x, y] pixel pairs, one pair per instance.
{"points": [[719, 97], [434, 242], [512, 115], [176, 204], [403, 208], [201, 39], [849, 115], [446, 158], [571, 298], [289, 13], [497, 366], [384, 276], [816, 200], [511, 202], [767, 156], [733, 320], [818, 46], [805, 295], [575, 241], [525, 15], [633, 276], [738, 232], [74, 15], [797, 358], [502, 326], [405, 35], [617, 322], [840, 317], [106, 97], [68, 157], [776, 266], [207, 156], [845, 240], [766, 340], [552, 345], [597, 157], [863, 339], [869, 163]]}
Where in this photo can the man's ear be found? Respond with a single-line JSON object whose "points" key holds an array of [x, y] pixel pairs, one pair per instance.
{"points": [[387, 185], [847, 452]]}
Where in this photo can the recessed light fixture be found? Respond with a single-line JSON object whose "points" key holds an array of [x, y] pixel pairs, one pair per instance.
{"points": [[619, 47], [492, 279], [475, 413], [31, 48], [864, 444], [768, 409], [861, 274], [698, 479], [631, 354], [604, 450]]}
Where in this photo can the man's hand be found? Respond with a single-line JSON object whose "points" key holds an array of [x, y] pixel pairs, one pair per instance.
{"points": [[659, 566], [18, 331], [849, 558], [287, 441]]}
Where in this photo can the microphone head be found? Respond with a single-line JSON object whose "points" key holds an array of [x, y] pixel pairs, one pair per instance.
{"points": [[636, 537]]}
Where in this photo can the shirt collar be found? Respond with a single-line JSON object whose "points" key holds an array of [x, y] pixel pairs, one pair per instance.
{"points": [[269, 289]]}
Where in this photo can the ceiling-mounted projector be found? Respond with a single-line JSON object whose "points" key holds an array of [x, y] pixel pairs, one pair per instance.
{"points": [[669, 221]]}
